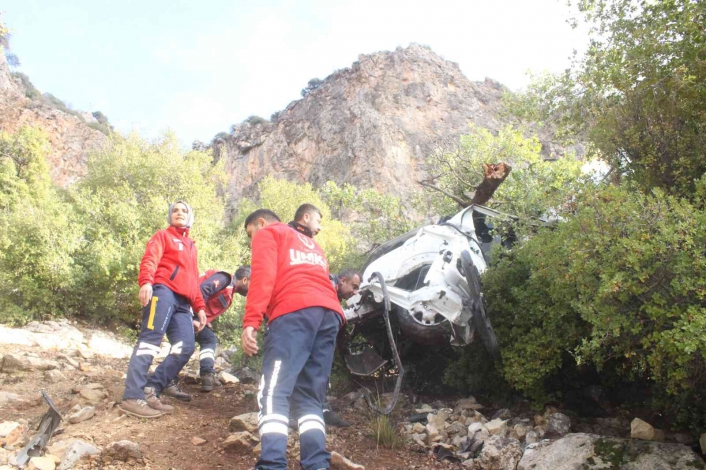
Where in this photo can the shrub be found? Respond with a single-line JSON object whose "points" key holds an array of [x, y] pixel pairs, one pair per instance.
{"points": [[100, 117], [104, 128], [313, 84], [30, 90], [618, 286], [255, 120]]}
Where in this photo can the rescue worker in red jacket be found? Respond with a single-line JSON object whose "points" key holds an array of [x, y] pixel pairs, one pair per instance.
{"points": [[217, 289], [169, 293], [290, 286], [307, 221]]}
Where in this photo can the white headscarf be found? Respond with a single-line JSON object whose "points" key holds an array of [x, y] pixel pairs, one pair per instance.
{"points": [[189, 219]]}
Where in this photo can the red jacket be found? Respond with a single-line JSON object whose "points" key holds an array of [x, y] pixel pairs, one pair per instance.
{"points": [[171, 259], [289, 273], [217, 291]]}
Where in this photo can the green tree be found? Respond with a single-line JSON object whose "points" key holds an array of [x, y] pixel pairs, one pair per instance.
{"points": [[123, 200], [37, 234], [618, 286], [533, 187], [638, 94]]}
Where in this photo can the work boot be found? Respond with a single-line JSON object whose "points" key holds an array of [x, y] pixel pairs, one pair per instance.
{"points": [[139, 408], [209, 381], [332, 419], [173, 390], [153, 401]]}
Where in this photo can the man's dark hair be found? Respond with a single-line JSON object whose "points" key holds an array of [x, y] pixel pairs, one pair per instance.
{"points": [[306, 209], [266, 214], [349, 273], [243, 271]]}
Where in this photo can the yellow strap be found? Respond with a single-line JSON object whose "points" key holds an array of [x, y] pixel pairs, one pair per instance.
{"points": [[153, 309]]}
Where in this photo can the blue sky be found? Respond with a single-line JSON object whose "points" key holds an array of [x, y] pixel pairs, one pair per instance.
{"points": [[198, 67]]}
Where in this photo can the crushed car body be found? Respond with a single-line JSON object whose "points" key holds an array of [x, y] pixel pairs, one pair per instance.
{"points": [[430, 278]]}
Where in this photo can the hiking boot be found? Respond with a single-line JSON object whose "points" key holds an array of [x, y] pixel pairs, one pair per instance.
{"points": [[209, 382], [332, 419], [173, 390], [139, 408], [153, 401]]}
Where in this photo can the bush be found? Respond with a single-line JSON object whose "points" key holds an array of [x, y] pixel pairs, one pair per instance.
{"points": [[30, 90], [313, 84], [100, 117], [123, 200], [38, 232], [255, 120], [104, 128], [618, 286]]}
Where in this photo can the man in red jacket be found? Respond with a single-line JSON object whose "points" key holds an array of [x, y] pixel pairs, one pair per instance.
{"points": [[290, 286], [217, 290], [169, 292]]}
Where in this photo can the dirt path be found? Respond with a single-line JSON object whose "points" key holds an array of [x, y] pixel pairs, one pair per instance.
{"points": [[165, 443]]}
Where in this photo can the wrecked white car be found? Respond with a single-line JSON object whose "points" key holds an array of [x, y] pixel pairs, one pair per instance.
{"points": [[423, 287]]}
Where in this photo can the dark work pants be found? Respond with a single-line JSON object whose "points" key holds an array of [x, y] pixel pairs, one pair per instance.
{"points": [[207, 350], [168, 313], [297, 358]]}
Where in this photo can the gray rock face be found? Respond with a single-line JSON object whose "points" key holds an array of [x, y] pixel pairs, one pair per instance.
{"points": [[369, 125], [71, 139], [590, 451]]}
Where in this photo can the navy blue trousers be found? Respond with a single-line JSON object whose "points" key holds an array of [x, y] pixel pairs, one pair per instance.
{"points": [[297, 358], [168, 313], [207, 350]]}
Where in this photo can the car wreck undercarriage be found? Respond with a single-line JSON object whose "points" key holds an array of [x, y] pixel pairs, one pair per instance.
{"points": [[422, 287]]}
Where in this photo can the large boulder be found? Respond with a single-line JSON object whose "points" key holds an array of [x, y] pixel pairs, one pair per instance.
{"points": [[589, 451]]}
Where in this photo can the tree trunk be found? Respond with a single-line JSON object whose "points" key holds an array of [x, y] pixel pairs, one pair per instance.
{"points": [[495, 174]]}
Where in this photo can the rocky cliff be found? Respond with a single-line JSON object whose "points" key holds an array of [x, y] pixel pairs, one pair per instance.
{"points": [[70, 135], [371, 125]]}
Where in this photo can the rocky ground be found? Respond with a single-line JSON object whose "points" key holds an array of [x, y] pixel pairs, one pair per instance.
{"points": [[83, 370]]}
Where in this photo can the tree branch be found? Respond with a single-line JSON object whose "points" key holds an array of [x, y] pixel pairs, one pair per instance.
{"points": [[459, 201]]}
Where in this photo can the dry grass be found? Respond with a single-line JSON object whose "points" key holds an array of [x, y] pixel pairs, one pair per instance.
{"points": [[384, 432]]}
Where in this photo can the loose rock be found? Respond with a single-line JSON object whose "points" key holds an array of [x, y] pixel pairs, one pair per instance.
{"points": [[239, 442], [54, 376], [198, 441], [339, 462], [123, 450], [76, 451], [558, 424], [84, 414], [531, 437], [496, 427], [41, 463], [499, 453], [245, 422], [228, 378], [640, 429]]}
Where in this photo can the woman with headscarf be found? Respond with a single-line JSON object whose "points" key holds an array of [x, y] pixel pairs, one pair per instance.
{"points": [[169, 293]]}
